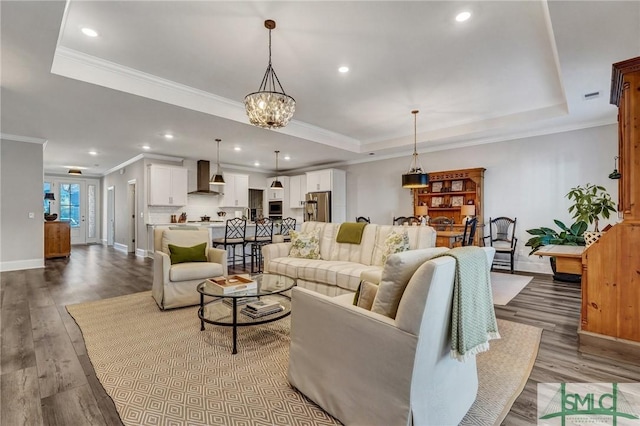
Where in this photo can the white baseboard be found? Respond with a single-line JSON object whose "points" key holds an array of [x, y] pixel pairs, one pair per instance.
{"points": [[121, 247], [103, 241], [18, 265], [141, 252]]}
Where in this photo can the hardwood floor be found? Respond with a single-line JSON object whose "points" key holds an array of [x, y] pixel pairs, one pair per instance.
{"points": [[47, 378]]}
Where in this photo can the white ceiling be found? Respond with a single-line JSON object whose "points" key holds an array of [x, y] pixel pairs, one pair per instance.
{"points": [[514, 69]]}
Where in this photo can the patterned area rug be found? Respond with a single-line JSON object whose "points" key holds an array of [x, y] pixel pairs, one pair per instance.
{"points": [[159, 368], [507, 286]]}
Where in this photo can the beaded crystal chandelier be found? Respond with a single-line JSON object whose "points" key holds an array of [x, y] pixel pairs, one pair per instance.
{"points": [[269, 107]]}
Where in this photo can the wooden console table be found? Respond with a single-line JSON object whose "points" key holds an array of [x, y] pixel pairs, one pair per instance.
{"points": [[57, 239], [568, 258]]}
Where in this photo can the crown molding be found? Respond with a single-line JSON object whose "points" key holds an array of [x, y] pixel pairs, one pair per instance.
{"points": [[141, 157], [91, 69], [18, 138], [444, 145]]}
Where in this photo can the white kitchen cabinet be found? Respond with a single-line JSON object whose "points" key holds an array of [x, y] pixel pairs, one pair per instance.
{"points": [[235, 191], [320, 180], [167, 185], [277, 194], [297, 191]]}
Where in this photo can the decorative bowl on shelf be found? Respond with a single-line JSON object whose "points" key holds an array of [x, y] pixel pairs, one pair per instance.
{"points": [[205, 218], [50, 217], [222, 214]]}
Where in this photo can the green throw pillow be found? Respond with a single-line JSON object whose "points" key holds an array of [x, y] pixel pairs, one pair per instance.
{"points": [[187, 254]]}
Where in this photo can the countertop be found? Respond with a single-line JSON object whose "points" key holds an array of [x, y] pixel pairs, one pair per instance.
{"points": [[210, 224]]}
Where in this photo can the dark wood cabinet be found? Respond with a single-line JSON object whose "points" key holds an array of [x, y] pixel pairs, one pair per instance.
{"points": [[57, 239], [610, 317]]}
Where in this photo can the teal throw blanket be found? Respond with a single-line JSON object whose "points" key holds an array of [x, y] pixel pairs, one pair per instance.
{"points": [[350, 232], [473, 319]]}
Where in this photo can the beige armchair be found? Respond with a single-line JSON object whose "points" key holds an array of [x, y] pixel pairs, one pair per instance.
{"points": [[369, 369], [174, 286]]}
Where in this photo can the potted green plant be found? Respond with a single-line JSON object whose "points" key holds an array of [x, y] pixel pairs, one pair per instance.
{"points": [[590, 203], [568, 235]]}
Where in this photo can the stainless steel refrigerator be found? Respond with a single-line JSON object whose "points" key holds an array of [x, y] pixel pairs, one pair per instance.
{"points": [[318, 207]]}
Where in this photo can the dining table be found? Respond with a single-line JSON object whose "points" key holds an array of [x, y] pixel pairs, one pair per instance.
{"points": [[449, 239]]}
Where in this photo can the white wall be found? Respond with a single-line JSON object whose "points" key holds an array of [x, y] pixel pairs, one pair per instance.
{"points": [[198, 205], [525, 178], [119, 180], [21, 193]]}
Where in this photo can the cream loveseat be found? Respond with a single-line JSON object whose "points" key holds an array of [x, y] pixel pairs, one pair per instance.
{"points": [[342, 265], [365, 368]]}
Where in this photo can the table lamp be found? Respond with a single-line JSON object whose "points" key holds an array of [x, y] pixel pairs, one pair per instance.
{"points": [[49, 197], [422, 211], [47, 215], [468, 210]]}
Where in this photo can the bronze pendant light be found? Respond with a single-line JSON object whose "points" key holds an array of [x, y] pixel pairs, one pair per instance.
{"points": [[415, 177]]}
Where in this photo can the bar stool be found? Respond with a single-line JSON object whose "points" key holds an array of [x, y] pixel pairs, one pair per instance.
{"points": [[262, 235], [234, 235], [288, 224]]}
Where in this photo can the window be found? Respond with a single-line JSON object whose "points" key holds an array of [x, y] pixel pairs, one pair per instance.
{"points": [[46, 188], [70, 203]]}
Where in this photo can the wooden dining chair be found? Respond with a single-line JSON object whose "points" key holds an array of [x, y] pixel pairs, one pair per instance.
{"points": [[406, 220], [502, 237], [469, 231]]}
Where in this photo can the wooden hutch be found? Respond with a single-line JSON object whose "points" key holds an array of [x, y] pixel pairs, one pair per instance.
{"points": [[610, 317], [448, 191]]}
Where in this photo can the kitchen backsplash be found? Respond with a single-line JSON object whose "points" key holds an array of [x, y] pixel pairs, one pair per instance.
{"points": [[198, 205]]}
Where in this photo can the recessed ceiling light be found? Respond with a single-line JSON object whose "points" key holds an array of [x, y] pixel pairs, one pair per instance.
{"points": [[286, 157], [147, 147], [93, 153], [237, 148], [463, 16], [343, 69], [89, 32], [257, 164], [168, 136]]}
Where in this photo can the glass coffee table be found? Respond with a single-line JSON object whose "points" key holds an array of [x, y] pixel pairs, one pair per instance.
{"points": [[225, 309]]}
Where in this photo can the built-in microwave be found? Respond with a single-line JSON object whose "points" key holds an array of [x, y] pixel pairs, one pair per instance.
{"points": [[275, 208]]}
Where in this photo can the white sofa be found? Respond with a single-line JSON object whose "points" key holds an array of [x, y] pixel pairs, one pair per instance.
{"points": [[365, 368], [342, 265]]}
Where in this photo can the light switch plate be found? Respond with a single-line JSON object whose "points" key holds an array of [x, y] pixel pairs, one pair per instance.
{"points": [[32, 215]]}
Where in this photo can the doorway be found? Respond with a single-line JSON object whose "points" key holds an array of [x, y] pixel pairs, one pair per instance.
{"points": [[111, 215], [76, 201], [132, 208]]}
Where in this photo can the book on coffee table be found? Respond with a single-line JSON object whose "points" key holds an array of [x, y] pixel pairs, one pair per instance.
{"points": [[255, 314], [263, 305], [240, 301], [230, 284]]}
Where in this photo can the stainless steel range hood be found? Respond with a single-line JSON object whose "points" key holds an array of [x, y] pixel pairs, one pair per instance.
{"points": [[203, 176]]}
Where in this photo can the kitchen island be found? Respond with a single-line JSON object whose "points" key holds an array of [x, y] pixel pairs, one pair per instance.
{"points": [[216, 230]]}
